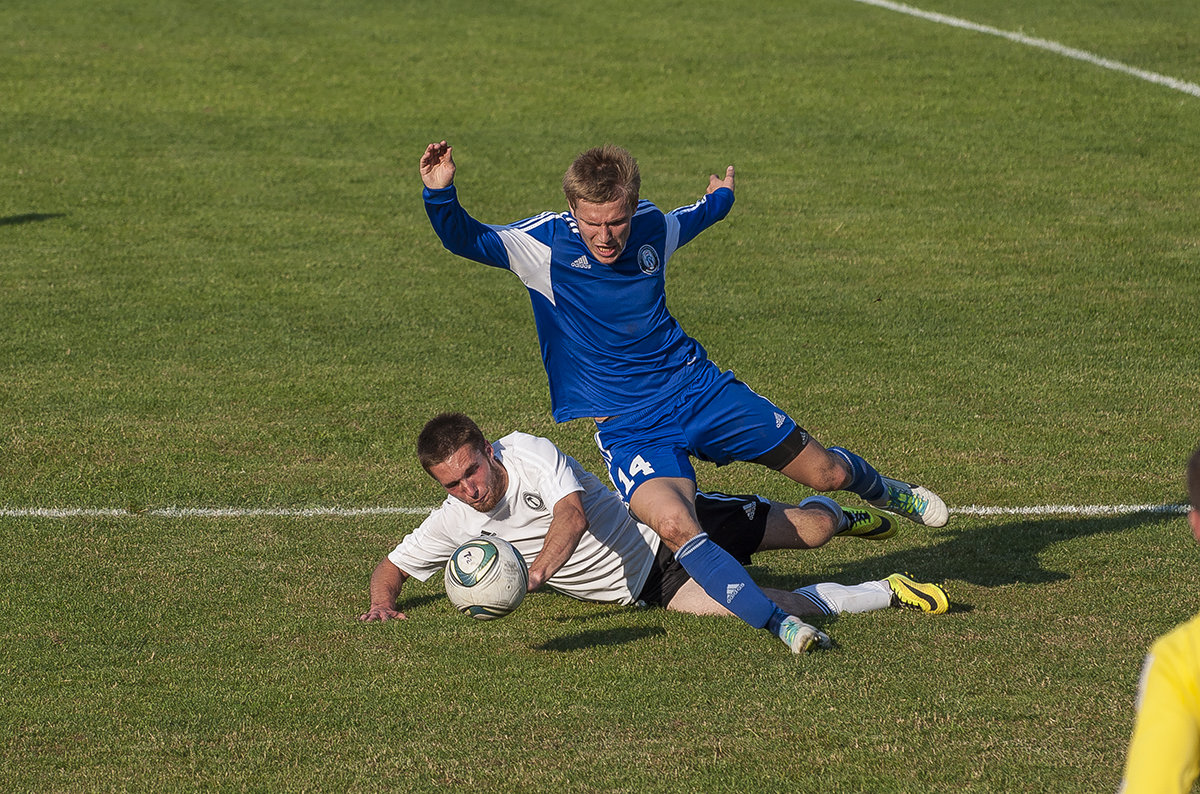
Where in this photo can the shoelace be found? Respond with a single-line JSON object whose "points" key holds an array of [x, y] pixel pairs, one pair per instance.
{"points": [[907, 501]]}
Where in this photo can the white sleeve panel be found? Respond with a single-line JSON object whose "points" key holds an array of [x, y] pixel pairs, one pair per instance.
{"points": [[672, 241], [529, 259]]}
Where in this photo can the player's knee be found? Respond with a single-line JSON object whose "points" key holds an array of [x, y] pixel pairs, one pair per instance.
{"points": [[675, 529], [823, 527]]}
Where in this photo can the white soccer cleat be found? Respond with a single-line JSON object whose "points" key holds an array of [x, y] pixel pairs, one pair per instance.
{"points": [[801, 637], [914, 502]]}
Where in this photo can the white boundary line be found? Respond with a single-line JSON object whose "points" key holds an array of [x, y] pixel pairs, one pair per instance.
{"points": [[1044, 44], [1068, 510], [211, 512], [357, 512]]}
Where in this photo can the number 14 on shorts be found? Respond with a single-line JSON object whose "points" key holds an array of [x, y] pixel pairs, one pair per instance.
{"points": [[638, 467]]}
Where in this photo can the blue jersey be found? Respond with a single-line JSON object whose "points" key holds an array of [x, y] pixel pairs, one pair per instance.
{"points": [[608, 343]]}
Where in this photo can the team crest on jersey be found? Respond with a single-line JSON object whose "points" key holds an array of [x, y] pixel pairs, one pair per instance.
{"points": [[533, 501], [648, 260]]}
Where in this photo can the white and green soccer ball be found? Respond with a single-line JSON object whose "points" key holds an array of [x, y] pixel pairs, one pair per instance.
{"points": [[486, 578]]}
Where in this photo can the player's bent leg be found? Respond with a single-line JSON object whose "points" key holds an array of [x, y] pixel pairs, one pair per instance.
{"points": [[836, 598], [818, 468], [692, 600], [667, 505], [914, 502], [795, 633], [797, 602], [808, 525]]}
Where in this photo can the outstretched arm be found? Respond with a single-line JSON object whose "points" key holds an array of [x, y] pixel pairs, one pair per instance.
{"points": [[562, 538], [386, 582], [459, 232], [437, 166], [697, 217]]}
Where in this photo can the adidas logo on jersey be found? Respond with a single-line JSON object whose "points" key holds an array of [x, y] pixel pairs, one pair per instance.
{"points": [[582, 263], [732, 590], [779, 420]]}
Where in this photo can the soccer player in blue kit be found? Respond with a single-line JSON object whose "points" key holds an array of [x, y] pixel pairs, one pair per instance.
{"points": [[613, 353]]}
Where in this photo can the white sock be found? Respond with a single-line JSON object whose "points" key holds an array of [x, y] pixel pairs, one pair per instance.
{"points": [[865, 597]]}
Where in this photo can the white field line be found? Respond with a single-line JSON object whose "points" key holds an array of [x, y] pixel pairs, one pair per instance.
{"points": [[211, 512], [1043, 44], [1068, 510], [355, 512]]}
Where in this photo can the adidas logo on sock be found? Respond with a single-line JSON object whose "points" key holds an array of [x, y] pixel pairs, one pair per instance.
{"points": [[732, 590]]}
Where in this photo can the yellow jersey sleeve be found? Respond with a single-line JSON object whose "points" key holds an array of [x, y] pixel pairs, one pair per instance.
{"points": [[1164, 753]]}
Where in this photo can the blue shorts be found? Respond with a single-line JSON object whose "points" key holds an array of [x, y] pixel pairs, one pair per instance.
{"points": [[716, 418]]}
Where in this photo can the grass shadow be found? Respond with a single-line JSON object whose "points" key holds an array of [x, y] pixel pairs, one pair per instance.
{"points": [[592, 639], [989, 556], [414, 602]]}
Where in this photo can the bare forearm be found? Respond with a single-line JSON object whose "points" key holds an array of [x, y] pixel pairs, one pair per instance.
{"points": [[562, 538], [386, 582]]}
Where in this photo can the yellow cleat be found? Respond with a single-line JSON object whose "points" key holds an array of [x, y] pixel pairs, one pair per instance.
{"points": [[925, 596], [866, 522]]}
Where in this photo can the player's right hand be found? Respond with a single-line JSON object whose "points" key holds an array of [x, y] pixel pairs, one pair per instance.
{"points": [[382, 614], [437, 166], [716, 183]]}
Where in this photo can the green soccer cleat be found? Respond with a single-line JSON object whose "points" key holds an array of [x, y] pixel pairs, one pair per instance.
{"points": [[913, 502], [866, 522], [801, 637], [925, 596]]}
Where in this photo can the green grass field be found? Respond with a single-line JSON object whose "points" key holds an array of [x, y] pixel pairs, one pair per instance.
{"points": [[972, 260]]}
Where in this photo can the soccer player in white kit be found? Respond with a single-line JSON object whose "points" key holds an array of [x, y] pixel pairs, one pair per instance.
{"points": [[579, 538]]}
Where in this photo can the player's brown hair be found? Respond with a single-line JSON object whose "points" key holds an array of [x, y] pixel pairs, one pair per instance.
{"points": [[445, 434], [603, 174]]}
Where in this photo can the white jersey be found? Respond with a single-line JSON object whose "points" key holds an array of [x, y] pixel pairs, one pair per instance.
{"points": [[614, 555]]}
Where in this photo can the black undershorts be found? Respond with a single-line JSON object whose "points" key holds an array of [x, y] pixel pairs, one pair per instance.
{"points": [[735, 523]]}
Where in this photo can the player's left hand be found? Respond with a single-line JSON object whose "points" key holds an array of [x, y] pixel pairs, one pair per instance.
{"points": [[715, 182]]}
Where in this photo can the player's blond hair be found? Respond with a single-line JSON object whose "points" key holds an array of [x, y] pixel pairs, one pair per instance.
{"points": [[602, 175], [445, 434]]}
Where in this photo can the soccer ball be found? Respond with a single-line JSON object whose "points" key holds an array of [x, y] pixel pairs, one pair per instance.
{"points": [[486, 578]]}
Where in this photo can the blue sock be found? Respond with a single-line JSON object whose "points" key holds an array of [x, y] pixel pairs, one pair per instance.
{"points": [[865, 481], [728, 583]]}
